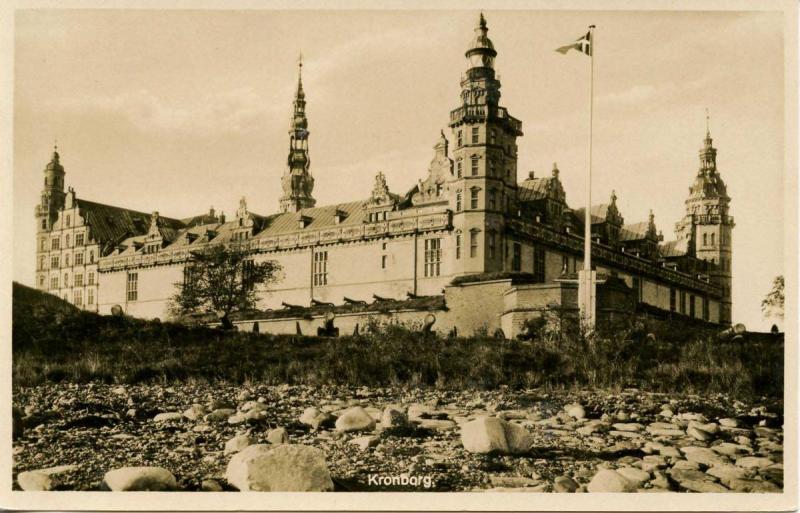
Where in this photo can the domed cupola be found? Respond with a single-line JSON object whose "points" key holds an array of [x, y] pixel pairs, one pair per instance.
{"points": [[481, 52]]}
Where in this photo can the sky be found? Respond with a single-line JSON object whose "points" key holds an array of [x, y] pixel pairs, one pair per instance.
{"points": [[176, 111]]}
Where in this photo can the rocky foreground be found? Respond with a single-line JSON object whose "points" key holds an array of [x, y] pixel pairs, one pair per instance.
{"points": [[228, 438]]}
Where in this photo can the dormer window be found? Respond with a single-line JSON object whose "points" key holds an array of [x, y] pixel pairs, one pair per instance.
{"points": [[191, 237], [339, 216], [304, 221]]}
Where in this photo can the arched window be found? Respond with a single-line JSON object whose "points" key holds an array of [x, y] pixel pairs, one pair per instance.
{"points": [[712, 238]]}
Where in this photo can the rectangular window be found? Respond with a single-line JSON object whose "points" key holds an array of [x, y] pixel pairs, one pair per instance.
{"points": [[564, 264], [458, 201], [705, 308], [492, 197], [55, 243], [79, 239], [132, 287], [320, 268], [460, 140], [90, 297], [54, 262], [91, 257], [458, 247], [41, 263], [682, 305], [473, 244], [516, 259], [691, 306], [492, 136], [43, 245], [383, 261], [473, 199], [672, 299], [474, 135], [79, 280], [77, 297], [67, 239], [66, 280], [66, 260], [433, 257], [538, 264], [69, 223], [41, 282], [91, 279], [53, 282], [474, 166], [459, 167], [78, 258], [491, 245]]}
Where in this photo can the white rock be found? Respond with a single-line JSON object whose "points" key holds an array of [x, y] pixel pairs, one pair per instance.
{"points": [[364, 442], [753, 462], [631, 426], [564, 484], [484, 435], [165, 417], [316, 419], [607, 480], [281, 468], [393, 417], [575, 411], [136, 479], [195, 412], [278, 436], [219, 414], [355, 419], [518, 439], [237, 443], [43, 480], [729, 423], [639, 477], [703, 456]]}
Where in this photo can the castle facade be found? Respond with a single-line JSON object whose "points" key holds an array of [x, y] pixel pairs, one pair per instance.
{"points": [[468, 215]]}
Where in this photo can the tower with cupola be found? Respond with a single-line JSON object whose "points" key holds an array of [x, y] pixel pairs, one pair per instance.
{"points": [[297, 182], [52, 198], [483, 185], [707, 226]]}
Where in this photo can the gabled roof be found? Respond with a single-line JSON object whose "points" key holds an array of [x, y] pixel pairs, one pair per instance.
{"points": [[110, 224], [318, 217], [534, 189], [673, 248], [635, 231], [599, 213]]}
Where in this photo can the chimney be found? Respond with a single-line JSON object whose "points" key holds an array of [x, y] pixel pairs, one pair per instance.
{"points": [[211, 212], [530, 174], [222, 218]]}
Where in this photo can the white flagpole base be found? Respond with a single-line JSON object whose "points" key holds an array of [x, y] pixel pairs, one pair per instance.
{"points": [[587, 298]]}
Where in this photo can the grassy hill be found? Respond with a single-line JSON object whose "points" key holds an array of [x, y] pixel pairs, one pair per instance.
{"points": [[55, 342]]}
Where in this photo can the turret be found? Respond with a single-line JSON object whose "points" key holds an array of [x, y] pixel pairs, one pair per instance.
{"points": [[52, 199]]}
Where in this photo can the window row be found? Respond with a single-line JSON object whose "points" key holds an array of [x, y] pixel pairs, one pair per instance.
{"points": [[474, 168], [55, 242], [77, 281], [475, 136], [55, 260]]}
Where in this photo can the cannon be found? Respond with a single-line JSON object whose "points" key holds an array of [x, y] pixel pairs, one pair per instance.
{"points": [[289, 306], [378, 298], [411, 295], [733, 333], [315, 302], [359, 302]]}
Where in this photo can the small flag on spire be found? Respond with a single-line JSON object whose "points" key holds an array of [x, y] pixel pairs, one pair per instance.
{"points": [[582, 44]]}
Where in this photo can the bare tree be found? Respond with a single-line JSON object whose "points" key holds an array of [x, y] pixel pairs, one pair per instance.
{"points": [[772, 305]]}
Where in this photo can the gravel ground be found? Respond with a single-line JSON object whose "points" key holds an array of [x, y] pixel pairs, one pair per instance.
{"points": [[99, 428]]}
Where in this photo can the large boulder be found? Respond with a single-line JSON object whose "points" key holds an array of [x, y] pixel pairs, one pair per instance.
{"points": [[43, 480], [195, 411], [355, 419], [485, 435], [317, 419], [518, 438], [281, 468], [140, 479], [610, 481]]}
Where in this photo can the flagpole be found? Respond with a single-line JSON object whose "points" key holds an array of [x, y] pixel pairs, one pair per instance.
{"points": [[587, 293]]}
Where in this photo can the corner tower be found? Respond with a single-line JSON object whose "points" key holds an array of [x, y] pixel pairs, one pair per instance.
{"points": [[707, 227], [53, 195], [297, 181], [484, 184]]}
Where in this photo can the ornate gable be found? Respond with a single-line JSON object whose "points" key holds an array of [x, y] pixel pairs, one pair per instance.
{"points": [[433, 188]]}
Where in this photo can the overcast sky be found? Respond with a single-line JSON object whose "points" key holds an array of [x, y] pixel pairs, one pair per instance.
{"points": [[176, 111]]}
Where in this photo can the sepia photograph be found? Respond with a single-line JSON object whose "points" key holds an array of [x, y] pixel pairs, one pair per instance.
{"points": [[532, 248]]}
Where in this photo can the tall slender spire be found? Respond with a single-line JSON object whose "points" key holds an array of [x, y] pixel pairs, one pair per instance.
{"points": [[297, 182]]}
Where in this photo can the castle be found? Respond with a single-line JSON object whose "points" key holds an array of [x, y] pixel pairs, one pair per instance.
{"points": [[468, 216]]}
